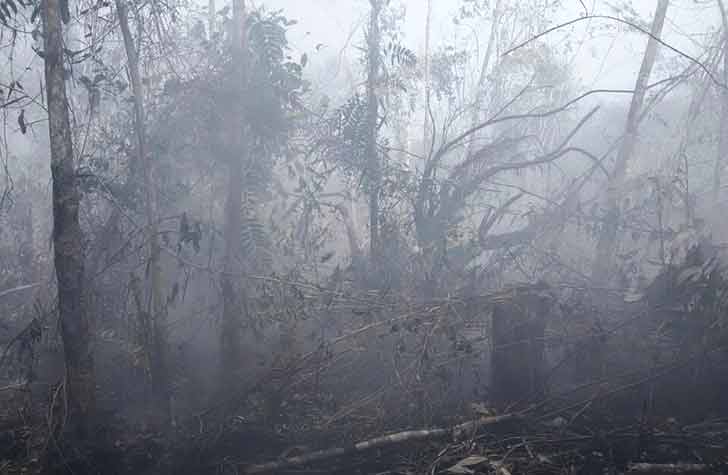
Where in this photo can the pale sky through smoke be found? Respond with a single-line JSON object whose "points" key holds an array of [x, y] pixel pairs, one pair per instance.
{"points": [[602, 62]]}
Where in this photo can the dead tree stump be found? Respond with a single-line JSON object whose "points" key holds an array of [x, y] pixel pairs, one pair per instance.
{"points": [[518, 349]]}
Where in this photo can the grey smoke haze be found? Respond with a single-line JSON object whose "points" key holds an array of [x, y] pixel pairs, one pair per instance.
{"points": [[260, 232], [601, 62]]}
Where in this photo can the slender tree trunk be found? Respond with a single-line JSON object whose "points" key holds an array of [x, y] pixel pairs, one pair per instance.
{"points": [[67, 236], [723, 123], [230, 343], [159, 370], [483, 79], [352, 239], [233, 304], [426, 130], [27, 252], [375, 172], [608, 238], [211, 12]]}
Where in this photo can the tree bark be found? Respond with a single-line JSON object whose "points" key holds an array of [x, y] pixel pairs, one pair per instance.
{"points": [[608, 238], [67, 236], [158, 352], [374, 166], [233, 304]]}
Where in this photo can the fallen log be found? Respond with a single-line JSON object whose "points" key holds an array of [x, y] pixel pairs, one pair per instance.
{"points": [[668, 468], [458, 432]]}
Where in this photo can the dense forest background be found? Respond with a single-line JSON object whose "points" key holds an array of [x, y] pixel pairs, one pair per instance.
{"points": [[383, 236]]}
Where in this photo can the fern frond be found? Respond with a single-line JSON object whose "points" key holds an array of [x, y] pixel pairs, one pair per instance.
{"points": [[398, 55], [255, 245], [276, 81], [267, 36], [9, 9]]}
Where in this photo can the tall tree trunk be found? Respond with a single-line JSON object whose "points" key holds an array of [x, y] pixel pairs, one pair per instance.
{"points": [[483, 79], [723, 123], [374, 166], [426, 131], [233, 304], [159, 370], [608, 238], [67, 236], [211, 12]]}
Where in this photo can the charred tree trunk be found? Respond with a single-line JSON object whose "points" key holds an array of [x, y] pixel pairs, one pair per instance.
{"points": [[608, 238], [233, 304], [374, 166], [517, 355], [158, 352], [68, 252]]}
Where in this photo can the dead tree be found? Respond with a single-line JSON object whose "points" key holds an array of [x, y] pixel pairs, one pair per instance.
{"points": [[517, 352], [608, 237], [68, 252]]}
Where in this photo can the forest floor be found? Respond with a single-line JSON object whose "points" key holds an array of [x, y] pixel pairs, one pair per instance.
{"points": [[583, 438]]}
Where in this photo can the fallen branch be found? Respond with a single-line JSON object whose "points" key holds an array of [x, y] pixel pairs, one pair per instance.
{"points": [[13, 387], [457, 432], [668, 468], [5, 292]]}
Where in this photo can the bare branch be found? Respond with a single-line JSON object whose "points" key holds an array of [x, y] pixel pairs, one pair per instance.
{"points": [[560, 151], [631, 25]]}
